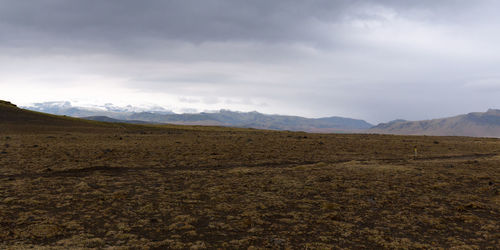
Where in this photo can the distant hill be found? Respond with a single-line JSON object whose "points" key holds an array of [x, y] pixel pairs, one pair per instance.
{"points": [[220, 118], [13, 118], [257, 120], [486, 124], [108, 119]]}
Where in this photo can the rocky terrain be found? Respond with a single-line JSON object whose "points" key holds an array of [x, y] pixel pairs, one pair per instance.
{"points": [[69, 183]]}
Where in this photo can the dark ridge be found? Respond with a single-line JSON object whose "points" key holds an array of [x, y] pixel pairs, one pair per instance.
{"points": [[8, 103]]}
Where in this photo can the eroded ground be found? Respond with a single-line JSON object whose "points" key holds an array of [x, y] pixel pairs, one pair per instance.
{"points": [[222, 188]]}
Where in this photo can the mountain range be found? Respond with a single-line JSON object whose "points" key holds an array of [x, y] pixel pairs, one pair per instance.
{"points": [[477, 124], [222, 117], [108, 109]]}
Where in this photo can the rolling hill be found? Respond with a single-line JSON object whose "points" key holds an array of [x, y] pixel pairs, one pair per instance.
{"points": [[477, 124], [12, 117], [16, 119]]}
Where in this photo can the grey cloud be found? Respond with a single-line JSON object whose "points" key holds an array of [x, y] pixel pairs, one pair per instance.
{"points": [[489, 85], [118, 23], [377, 60], [131, 24], [211, 100], [189, 100]]}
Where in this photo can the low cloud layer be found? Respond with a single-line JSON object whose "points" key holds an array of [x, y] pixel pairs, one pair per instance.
{"points": [[375, 60]]}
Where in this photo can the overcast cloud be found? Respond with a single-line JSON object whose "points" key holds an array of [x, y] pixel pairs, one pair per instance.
{"points": [[374, 60]]}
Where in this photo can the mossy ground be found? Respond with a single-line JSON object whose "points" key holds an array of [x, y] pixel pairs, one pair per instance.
{"points": [[195, 187]]}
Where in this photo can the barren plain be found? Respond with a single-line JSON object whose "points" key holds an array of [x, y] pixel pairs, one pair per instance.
{"points": [[66, 183]]}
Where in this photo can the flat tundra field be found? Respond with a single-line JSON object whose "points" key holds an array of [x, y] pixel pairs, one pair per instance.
{"points": [[174, 187]]}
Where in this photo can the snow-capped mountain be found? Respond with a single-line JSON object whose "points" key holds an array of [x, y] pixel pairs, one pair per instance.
{"points": [[108, 109]]}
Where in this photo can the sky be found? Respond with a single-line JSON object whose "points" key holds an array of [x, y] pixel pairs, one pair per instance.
{"points": [[373, 60]]}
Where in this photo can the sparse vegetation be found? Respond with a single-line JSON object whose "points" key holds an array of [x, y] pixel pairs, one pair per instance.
{"points": [[96, 185], [6, 103]]}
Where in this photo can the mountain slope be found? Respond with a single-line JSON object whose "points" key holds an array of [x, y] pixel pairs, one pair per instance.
{"points": [[108, 119], [486, 124], [256, 120], [109, 110], [221, 118], [13, 118]]}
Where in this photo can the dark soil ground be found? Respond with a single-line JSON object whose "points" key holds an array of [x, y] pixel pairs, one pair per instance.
{"points": [[127, 186]]}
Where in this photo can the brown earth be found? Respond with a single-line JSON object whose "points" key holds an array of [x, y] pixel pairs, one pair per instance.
{"points": [[66, 183]]}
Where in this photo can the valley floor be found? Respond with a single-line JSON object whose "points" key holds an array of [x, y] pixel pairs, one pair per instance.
{"points": [[228, 188]]}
